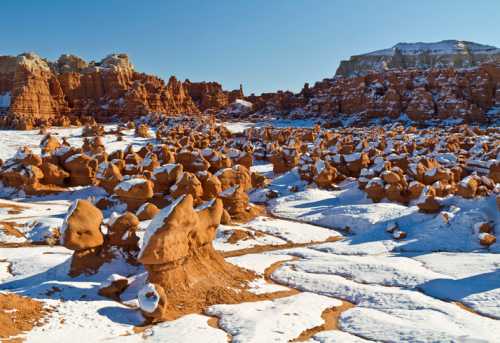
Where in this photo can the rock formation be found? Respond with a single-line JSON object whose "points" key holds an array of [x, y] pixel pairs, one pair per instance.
{"points": [[37, 92], [210, 95], [185, 273], [447, 53], [81, 232]]}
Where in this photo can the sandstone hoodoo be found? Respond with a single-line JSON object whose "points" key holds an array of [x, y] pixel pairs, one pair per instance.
{"points": [[81, 232], [185, 273]]}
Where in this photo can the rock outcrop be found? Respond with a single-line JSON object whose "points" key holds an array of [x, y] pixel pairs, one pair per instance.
{"points": [[209, 96], [185, 273], [36, 92], [447, 53]]}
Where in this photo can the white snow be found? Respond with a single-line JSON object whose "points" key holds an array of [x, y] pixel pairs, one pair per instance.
{"points": [[191, 328], [157, 222], [128, 184], [148, 298], [291, 231], [287, 317]]}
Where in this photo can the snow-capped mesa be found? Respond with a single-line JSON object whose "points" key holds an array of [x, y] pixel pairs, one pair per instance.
{"points": [[421, 55]]}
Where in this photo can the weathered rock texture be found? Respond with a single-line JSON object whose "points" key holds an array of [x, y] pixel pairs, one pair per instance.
{"points": [[37, 92], [468, 94], [209, 96], [447, 53], [185, 272]]}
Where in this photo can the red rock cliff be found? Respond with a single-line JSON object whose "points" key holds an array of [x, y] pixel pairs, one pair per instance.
{"points": [[34, 91]]}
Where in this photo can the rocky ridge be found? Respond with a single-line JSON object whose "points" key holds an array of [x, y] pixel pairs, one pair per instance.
{"points": [[466, 95], [443, 54], [36, 92]]}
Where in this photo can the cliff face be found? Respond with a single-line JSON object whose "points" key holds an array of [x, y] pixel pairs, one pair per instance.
{"points": [[444, 54], [209, 96], [36, 92], [466, 94]]}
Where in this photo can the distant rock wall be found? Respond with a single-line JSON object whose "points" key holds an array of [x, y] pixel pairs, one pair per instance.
{"points": [[209, 96], [444, 93], [57, 93], [444, 54]]}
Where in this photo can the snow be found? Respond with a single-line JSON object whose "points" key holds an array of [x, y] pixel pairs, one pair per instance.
{"points": [[403, 289], [127, 185], [290, 317], [336, 336], [290, 231], [166, 168], [393, 314], [158, 222], [188, 329], [224, 232], [148, 298], [436, 48]]}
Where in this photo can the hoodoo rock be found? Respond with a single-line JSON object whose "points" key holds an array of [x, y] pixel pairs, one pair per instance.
{"points": [[185, 273], [122, 231], [81, 232], [134, 192], [147, 211]]}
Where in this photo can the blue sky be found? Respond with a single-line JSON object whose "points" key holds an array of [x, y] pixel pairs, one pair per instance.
{"points": [[264, 44]]}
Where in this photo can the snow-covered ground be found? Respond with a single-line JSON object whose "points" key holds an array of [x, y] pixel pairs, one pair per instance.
{"points": [[436, 285]]}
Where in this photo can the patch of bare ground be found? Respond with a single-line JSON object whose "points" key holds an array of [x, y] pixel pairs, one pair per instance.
{"points": [[242, 235], [330, 316], [12, 208], [272, 247], [18, 314]]}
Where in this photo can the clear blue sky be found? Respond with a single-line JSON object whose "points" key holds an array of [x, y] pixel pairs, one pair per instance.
{"points": [[264, 44]]}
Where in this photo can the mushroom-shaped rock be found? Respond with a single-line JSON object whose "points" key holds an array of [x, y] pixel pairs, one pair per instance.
{"points": [[49, 144], [82, 169], [81, 232], [427, 202], [210, 183], [192, 161], [122, 231], [325, 174], [375, 189], [142, 131], [237, 175], [134, 192], [53, 174], [467, 188], [165, 176], [185, 273], [147, 211], [237, 204], [110, 177], [259, 180], [486, 239], [187, 184], [81, 228]]}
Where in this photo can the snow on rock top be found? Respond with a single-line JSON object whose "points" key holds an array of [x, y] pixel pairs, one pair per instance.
{"points": [[450, 46], [443, 54], [128, 184], [157, 223]]}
